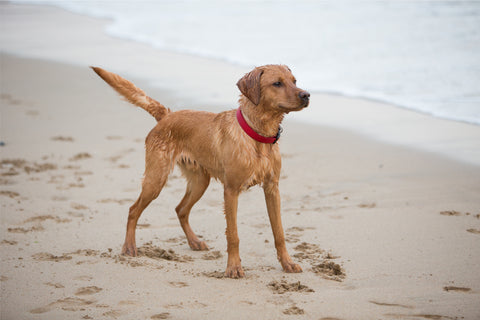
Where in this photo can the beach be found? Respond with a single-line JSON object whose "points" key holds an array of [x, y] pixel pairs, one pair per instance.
{"points": [[385, 228]]}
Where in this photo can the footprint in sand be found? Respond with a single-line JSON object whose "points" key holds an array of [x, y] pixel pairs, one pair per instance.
{"points": [[38, 226], [312, 253], [458, 289], [308, 251], [384, 304], [62, 139], [88, 290], [39, 167], [46, 217], [474, 231], [164, 315], [80, 156], [67, 304], [9, 242], [45, 256], [329, 270], [55, 285], [212, 255], [78, 206], [177, 240], [23, 230], [457, 214], [293, 234], [9, 167], [367, 205], [10, 194], [280, 287], [450, 213], [112, 314], [153, 252], [293, 310], [178, 284]]}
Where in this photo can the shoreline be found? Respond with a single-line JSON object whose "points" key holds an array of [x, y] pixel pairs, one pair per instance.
{"points": [[205, 83], [116, 29], [392, 104]]}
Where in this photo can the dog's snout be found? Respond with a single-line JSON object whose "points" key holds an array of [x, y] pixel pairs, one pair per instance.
{"points": [[304, 95]]}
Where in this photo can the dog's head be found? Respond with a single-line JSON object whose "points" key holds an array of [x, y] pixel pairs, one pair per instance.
{"points": [[274, 86]]}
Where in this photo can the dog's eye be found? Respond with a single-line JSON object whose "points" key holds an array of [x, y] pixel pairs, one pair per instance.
{"points": [[277, 84], [295, 81]]}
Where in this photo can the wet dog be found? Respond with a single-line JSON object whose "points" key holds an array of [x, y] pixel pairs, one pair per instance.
{"points": [[237, 147]]}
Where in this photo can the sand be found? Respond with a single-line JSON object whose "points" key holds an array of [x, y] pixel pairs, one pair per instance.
{"points": [[382, 231]]}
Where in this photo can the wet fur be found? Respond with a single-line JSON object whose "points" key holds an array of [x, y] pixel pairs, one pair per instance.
{"points": [[206, 145]]}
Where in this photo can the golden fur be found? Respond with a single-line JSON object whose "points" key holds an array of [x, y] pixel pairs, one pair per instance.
{"points": [[206, 145]]}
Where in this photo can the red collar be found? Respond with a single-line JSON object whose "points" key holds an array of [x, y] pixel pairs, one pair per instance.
{"points": [[255, 136]]}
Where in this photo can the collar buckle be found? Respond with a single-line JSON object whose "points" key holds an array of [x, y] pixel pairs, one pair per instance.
{"points": [[280, 130]]}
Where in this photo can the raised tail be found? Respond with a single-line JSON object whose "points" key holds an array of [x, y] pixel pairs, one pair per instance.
{"points": [[132, 94]]}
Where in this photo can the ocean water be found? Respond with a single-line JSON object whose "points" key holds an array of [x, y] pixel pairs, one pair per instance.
{"points": [[421, 55]]}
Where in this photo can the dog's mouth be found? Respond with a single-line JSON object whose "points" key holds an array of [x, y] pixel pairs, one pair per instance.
{"points": [[302, 105], [305, 104]]}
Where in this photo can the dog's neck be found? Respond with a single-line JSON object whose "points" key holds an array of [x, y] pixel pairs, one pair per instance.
{"points": [[264, 123]]}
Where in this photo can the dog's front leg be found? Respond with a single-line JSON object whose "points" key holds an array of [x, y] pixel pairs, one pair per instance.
{"points": [[234, 267], [272, 198]]}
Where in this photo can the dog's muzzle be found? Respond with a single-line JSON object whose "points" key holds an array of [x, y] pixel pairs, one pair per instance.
{"points": [[304, 97]]}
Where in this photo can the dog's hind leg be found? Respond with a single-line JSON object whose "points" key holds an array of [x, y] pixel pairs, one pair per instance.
{"points": [[157, 167], [197, 182]]}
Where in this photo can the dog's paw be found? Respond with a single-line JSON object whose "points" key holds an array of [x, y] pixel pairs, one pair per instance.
{"points": [[198, 245], [234, 272], [129, 250], [291, 267]]}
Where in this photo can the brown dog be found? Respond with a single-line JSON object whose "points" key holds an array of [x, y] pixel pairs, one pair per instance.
{"points": [[236, 147]]}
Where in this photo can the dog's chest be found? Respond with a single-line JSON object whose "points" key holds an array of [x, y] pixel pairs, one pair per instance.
{"points": [[262, 165]]}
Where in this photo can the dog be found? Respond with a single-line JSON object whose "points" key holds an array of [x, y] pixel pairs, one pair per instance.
{"points": [[237, 147]]}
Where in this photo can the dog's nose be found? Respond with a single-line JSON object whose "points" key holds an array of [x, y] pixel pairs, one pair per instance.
{"points": [[304, 95]]}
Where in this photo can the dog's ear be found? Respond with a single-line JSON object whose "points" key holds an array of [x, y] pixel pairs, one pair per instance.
{"points": [[249, 85]]}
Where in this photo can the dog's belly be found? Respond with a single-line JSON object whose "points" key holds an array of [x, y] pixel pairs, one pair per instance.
{"points": [[188, 162], [251, 171]]}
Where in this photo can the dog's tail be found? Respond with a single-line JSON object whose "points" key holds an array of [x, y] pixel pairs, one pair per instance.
{"points": [[132, 94]]}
